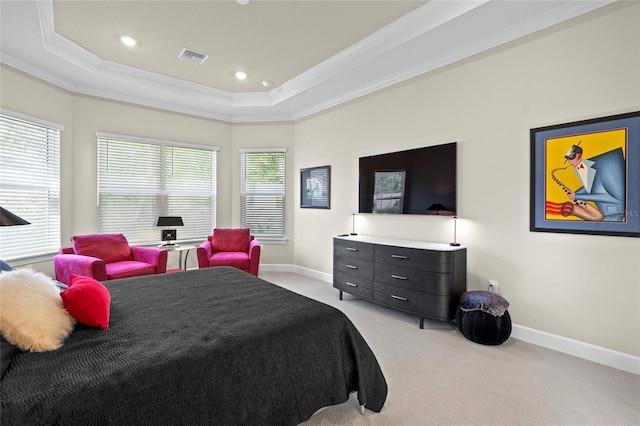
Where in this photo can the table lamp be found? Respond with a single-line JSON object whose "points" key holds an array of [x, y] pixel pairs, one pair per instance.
{"points": [[169, 235]]}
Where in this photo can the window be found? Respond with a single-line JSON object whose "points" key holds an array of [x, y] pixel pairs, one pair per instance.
{"points": [[29, 185], [140, 179], [262, 192]]}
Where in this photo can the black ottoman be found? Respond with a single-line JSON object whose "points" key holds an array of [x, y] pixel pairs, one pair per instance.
{"points": [[482, 317]]}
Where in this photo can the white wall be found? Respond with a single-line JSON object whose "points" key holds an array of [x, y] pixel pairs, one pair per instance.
{"points": [[581, 287], [578, 286]]}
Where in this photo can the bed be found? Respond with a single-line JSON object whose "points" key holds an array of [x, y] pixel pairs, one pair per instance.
{"points": [[212, 346]]}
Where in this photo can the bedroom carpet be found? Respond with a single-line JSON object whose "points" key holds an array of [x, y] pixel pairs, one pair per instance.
{"points": [[437, 377]]}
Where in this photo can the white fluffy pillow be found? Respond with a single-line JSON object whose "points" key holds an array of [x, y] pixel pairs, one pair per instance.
{"points": [[31, 312]]}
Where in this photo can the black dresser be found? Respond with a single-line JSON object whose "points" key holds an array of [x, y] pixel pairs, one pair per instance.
{"points": [[426, 279]]}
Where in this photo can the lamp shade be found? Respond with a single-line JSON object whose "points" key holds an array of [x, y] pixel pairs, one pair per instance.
{"points": [[9, 219], [170, 221]]}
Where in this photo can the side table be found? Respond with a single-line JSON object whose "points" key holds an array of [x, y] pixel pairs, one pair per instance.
{"points": [[180, 249]]}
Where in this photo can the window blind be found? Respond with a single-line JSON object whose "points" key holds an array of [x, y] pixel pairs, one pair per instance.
{"points": [[262, 197], [141, 179], [30, 185]]}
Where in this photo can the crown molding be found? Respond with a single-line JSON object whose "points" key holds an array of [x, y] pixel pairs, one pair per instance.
{"points": [[432, 36]]}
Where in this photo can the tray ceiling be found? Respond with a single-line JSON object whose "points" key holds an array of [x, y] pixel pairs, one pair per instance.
{"points": [[316, 54]]}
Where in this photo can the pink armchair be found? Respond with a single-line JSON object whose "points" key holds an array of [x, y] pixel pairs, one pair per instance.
{"points": [[107, 257], [230, 247]]}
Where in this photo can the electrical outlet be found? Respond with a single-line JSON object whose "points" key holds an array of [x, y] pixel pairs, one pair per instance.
{"points": [[493, 286]]}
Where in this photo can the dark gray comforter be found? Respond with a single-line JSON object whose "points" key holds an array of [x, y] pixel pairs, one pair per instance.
{"points": [[213, 346]]}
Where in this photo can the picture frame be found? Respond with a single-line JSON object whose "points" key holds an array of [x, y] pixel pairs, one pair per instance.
{"points": [[585, 177], [315, 187]]}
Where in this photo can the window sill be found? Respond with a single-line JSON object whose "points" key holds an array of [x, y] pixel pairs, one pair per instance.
{"points": [[28, 260], [272, 240]]}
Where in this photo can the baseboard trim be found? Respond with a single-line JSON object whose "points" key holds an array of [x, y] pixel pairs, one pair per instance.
{"points": [[311, 273], [588, 351], [278, 268]]}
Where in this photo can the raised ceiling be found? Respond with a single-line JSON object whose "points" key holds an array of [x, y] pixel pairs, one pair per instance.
{"points": [[269, 40], [317, 54]]}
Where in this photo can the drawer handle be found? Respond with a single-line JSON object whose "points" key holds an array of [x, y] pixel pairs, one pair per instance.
{"points": [[398, 277], [351, 266], [351, 284], [351, 249], [397, 256], [404, 299]]}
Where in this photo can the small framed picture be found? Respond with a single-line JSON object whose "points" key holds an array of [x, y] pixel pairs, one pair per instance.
{"points": [[585, 177], [315, 187]]}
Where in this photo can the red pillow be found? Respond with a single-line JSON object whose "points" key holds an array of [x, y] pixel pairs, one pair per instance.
{"points": [[87, 301], [235, 239]]}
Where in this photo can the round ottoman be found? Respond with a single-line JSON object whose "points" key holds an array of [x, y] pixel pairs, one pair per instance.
{"points": [[482, 317]]}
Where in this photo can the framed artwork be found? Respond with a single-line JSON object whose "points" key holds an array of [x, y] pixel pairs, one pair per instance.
{"points": [[315, 187], [585, 177]]}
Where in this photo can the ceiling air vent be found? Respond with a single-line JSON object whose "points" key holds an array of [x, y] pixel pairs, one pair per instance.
{"points": [[193, 56]]}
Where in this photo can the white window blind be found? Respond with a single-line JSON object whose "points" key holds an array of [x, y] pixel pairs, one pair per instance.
{"points": [[29, 185], [262, 196], [141, 179]]}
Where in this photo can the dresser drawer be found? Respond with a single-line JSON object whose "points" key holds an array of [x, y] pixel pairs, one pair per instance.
{"points": [[428, 260], [352, 249], [353, 285], [414, 279], [429, 305], [354, 267]]}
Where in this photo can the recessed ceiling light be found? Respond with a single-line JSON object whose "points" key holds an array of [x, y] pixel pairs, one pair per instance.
{"points": [[242, 2], [241, 75], [267, 83], [128, 41]]}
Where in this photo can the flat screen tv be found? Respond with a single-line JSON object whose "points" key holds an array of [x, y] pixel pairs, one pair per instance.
{"points": [[409, 182]]}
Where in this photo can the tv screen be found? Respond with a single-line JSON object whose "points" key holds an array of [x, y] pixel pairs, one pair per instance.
{"points": [[409, 182]]}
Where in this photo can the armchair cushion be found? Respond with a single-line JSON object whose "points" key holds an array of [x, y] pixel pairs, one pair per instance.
{"points": [[230, 258], [231, 240], [129, 268], [108, 247]]}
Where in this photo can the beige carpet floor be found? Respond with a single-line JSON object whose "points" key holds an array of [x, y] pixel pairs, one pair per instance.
{"points": [[437, 377]]}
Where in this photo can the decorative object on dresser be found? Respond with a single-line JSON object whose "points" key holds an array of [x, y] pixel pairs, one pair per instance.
{"points": [[169, 235], [455, 242], [353, 224], [441, 210], [426, 279]]}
